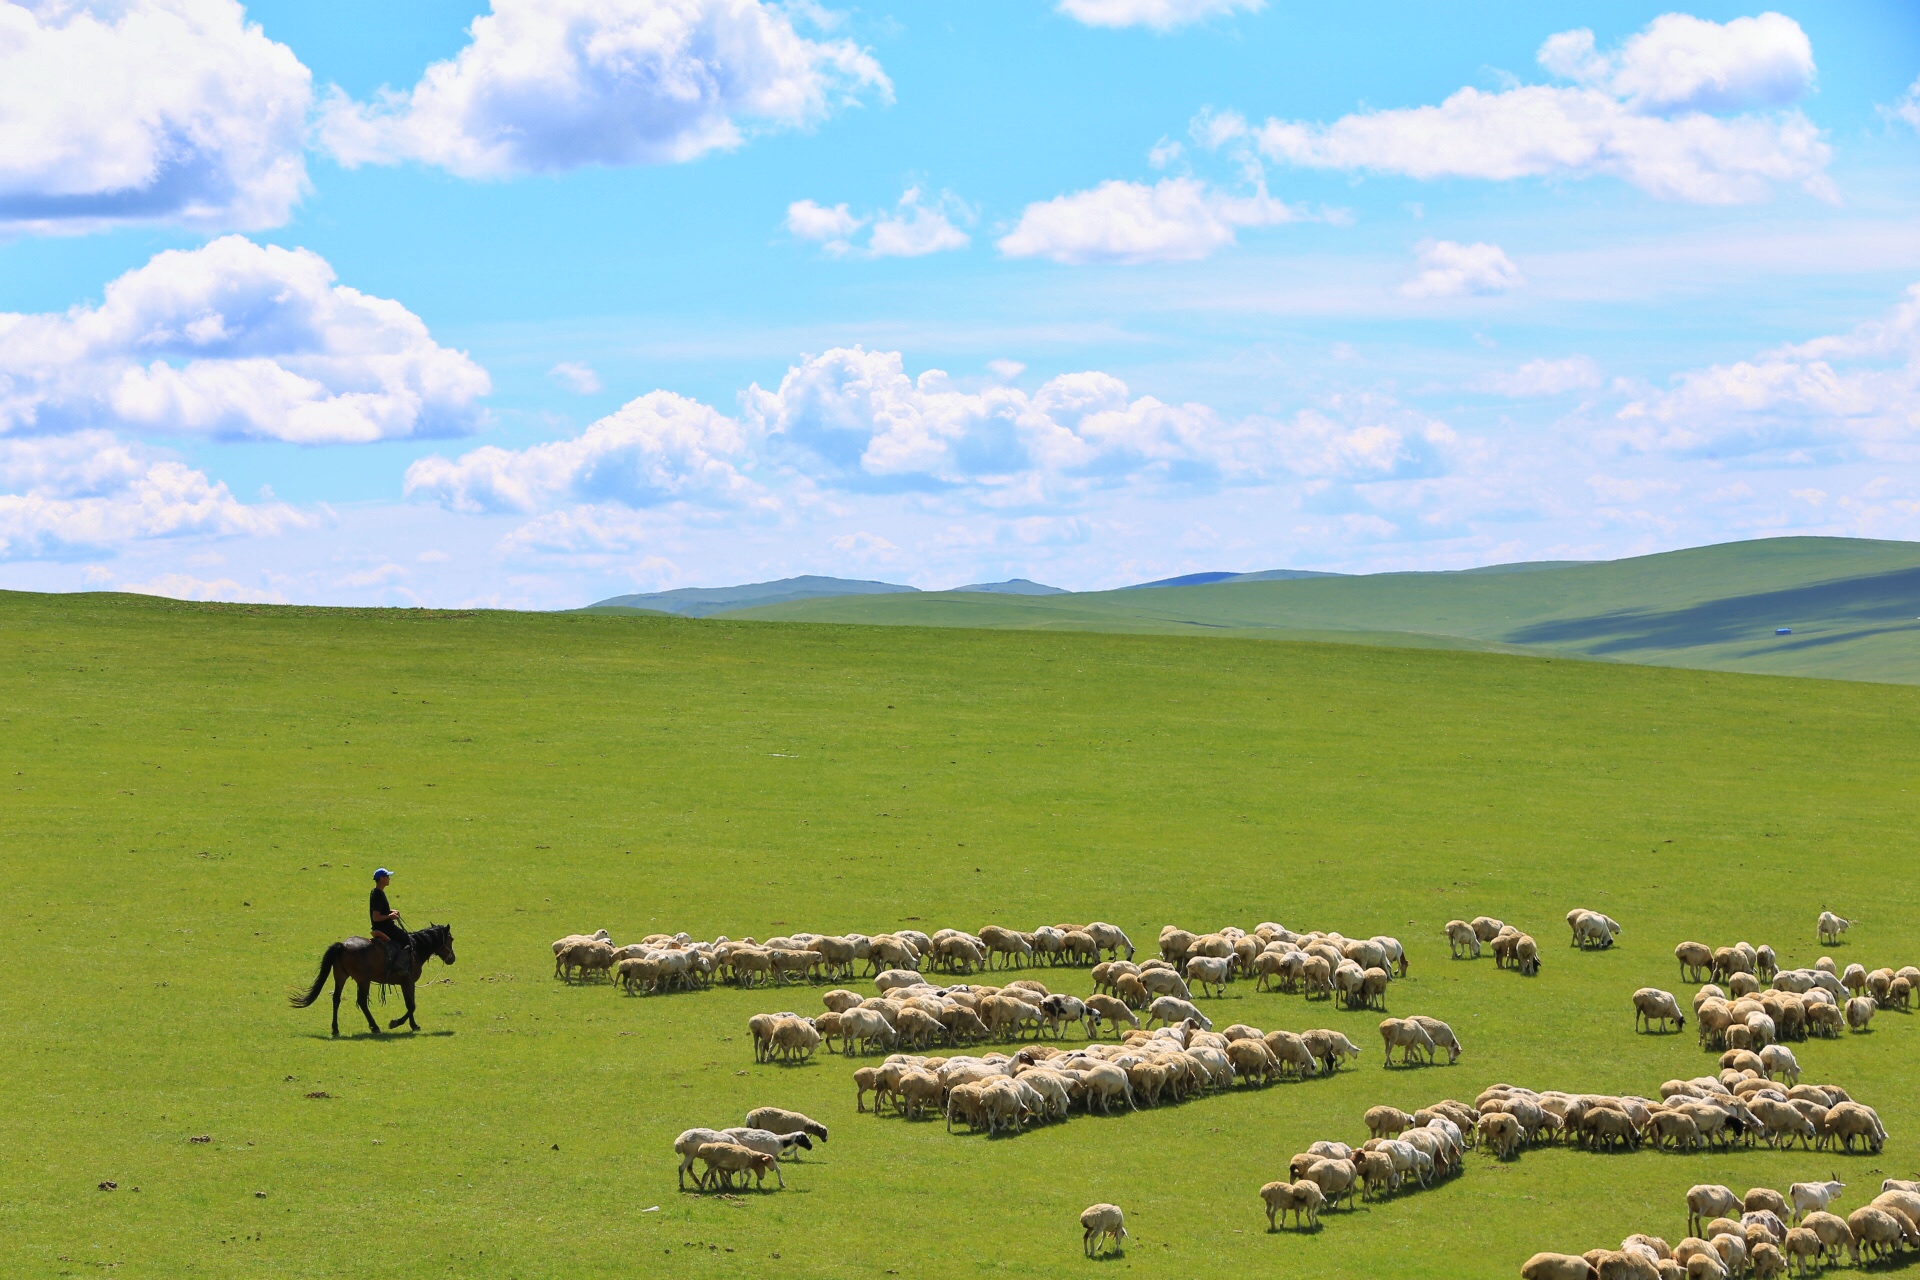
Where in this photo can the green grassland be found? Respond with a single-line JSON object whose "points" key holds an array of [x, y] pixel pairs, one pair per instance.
{"points": [[196, 795], [1853, 606]]}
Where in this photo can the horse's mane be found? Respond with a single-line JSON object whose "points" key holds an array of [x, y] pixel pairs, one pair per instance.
{"points": [[433, 933]]}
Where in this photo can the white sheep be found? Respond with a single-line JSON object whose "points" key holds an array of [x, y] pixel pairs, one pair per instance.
{"points": [[1813, 1197], [1831, 927], [1099, 1224], [1462, 939], [1172, 1009]]}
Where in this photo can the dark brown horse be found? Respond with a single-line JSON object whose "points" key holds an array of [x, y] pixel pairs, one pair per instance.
{"points": [[365, 961]]}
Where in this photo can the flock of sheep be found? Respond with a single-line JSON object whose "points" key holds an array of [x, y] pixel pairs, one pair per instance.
{"points": [[1756, 1095], [1736, 1235]]}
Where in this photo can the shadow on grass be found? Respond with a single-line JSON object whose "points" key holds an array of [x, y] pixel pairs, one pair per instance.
{"points": [[384, 1037]]}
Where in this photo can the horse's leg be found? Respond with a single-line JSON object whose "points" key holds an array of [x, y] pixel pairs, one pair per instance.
{"points": [[406, 989], [373, 1024], [339, 985]]}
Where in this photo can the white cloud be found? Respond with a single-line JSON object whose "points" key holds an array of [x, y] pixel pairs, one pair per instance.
{"points": [[1642, 115], [184, 586], [1907, 109], [1545, 377], [831, 227], [235, 340], [913, 228], [1858, 393], [549, 85], [63, 495], [1160, 15], [1165, 152], [1449, 269], [576, 377], [376, 577], [1175, 220], [1682, 63], [658, 449], [1006, 370], [130, 111]]}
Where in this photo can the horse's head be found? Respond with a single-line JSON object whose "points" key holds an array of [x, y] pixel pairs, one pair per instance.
{"points": [[441, 938]]}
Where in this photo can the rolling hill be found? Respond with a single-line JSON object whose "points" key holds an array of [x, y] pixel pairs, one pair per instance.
{"points": [[1852, 607]]}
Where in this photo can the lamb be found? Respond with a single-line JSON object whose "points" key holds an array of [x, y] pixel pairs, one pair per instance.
{"points": [[1100, 1223], [1462, 939], [776, 1120], [687, 1147], [769, 1143], [1651, 1004], [1302, 1198], [1813, 1197], [1831, 927], [724, 1159], [1172, 1009]]}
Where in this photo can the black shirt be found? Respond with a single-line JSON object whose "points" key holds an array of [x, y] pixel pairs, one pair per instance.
{"points": [[377, 907]]}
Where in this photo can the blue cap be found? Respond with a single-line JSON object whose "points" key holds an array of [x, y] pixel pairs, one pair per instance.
{"points": [[383, 872]]}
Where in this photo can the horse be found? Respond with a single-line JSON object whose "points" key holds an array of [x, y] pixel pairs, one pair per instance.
{"points": [[365, 961]]}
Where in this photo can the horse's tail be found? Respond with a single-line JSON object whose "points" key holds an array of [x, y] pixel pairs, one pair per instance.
{"points": [[327, 958]]}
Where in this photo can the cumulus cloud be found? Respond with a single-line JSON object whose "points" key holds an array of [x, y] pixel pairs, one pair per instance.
{"points": [[1681, 63], [1544, 377], [576, 377], [913, 228], [235, 340], [658, 449], [545, 86], [1160, 15], [130, 111], [69, 495], [1449, 269], [1653, 114], [1174, 220], [1856, 392]]}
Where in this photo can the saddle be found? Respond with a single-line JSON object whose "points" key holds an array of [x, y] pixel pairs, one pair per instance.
{"points": [[399, 959]]}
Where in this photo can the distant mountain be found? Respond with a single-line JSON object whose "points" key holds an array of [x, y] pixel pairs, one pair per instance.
{"points": [[1840, 608], [698, 602], [1015, 587], [1208, 579]]}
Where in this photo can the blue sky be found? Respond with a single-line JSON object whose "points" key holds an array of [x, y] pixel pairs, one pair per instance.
{"points": [[533, 304]]}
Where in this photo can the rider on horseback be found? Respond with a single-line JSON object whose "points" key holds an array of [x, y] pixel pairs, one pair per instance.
{"points": [[387, 926]]}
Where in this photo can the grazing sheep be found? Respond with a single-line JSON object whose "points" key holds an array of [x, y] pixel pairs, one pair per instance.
{"points": [[1407, 1036], [1709, 1200], [1849, 1120], [1777, 1061], [1462, 940], [1329, 1047], [1831, 927], [1804, 1248], [1501, 1134], [1556, 1266], [1111, 938], [769, 1143], [1441, 1034], [1859, 1012], [776, 1120], [794, 1038], [1833, 1231], [1304, 1199], [1651, 1004], [1100, 1223], [1875, 1231], [1108, 1009], [1526, 955], [1694, 957], [1590, 928], [1172, 1009], [1387, 1122], [1209, 971]]}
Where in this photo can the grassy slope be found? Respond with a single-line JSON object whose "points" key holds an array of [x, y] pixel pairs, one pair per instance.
{"points": [[1852, 604], [197, 795]]}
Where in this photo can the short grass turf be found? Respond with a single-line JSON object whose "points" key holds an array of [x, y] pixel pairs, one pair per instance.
{"points": [[196, 796]]}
